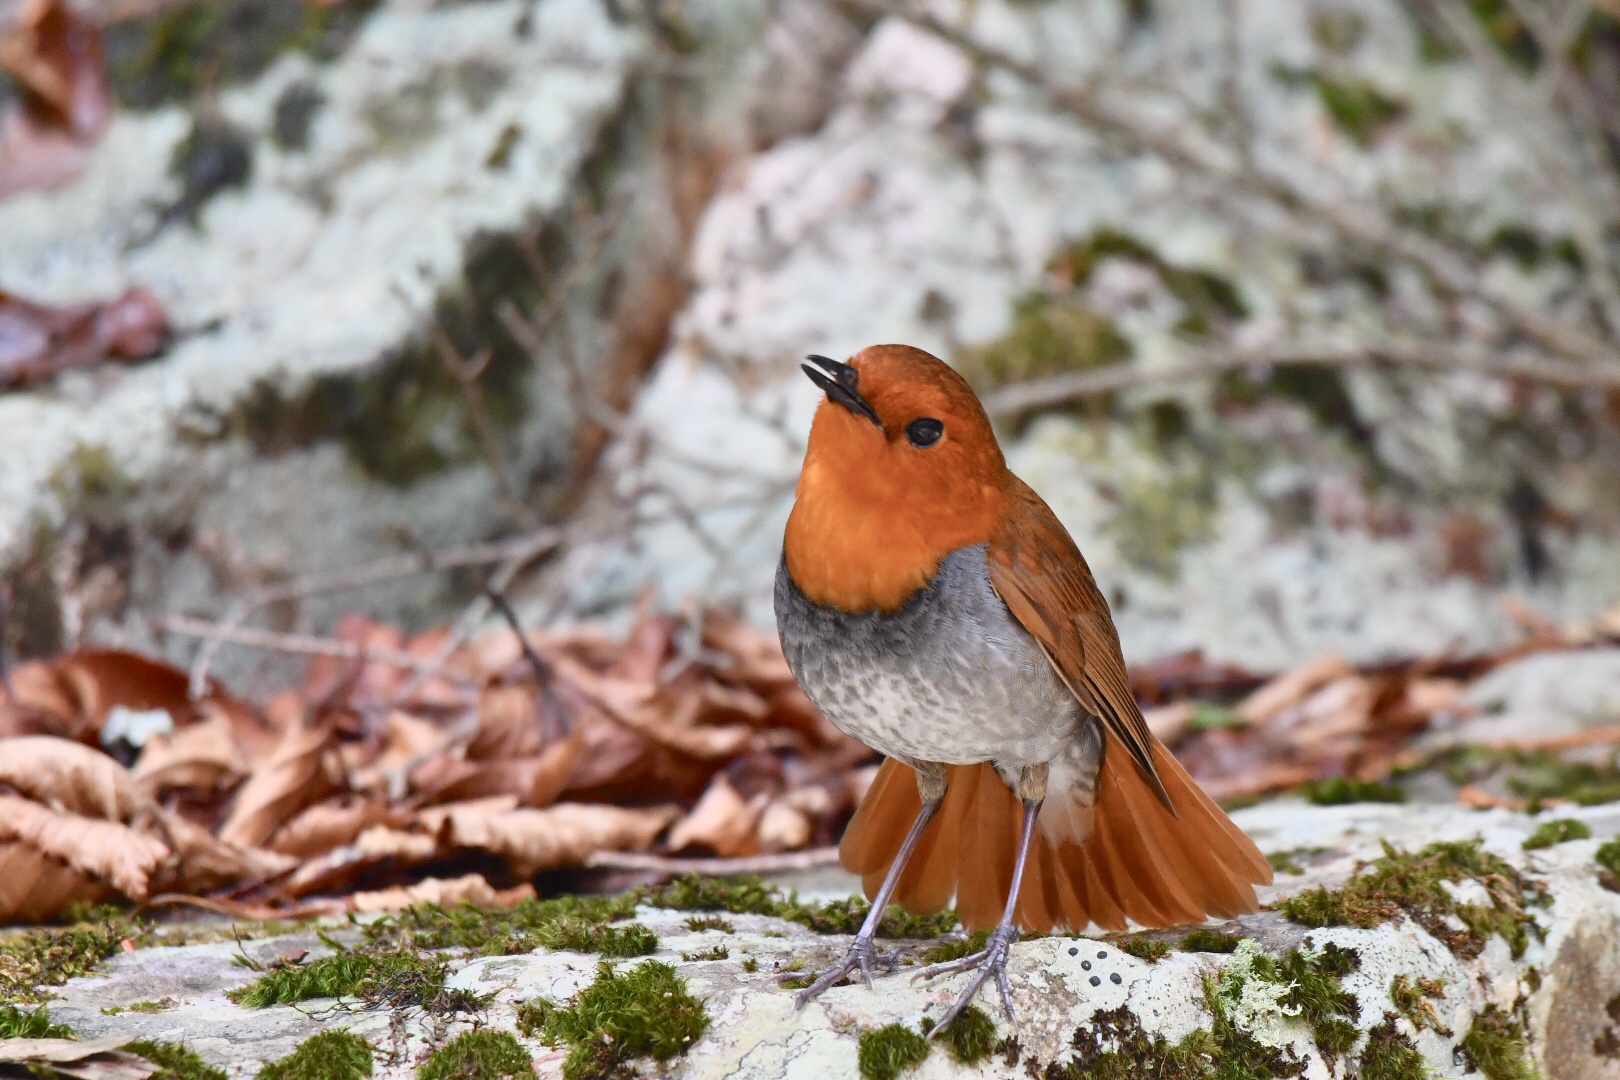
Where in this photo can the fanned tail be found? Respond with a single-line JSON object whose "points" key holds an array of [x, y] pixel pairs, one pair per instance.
{"points": [[1139, 862]]}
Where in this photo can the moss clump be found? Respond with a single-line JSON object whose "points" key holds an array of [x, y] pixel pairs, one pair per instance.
{"points": [[571, 923], [1263, 993], [1343, 790], [1288, 862], [177, 1061], [751, 896], [1495, 1045], [36, 959], [1557, 831], [1144, 948], [1208, 299], [645, 1011], [1414, 883], [18, 1023], [888, 1051], [956, 948], [1390, 1055], [172, 56], [1357, 107], [1210, 941], [1536, 776], [1414, 1000], [330, 1055], [699, 923], [971, 1037], [401, 978], [479, 1055], [161, 1005], [1050, 335], [718, 952], [1608, 856]]}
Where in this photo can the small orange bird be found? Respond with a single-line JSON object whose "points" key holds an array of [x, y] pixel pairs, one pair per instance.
{"points": [[932, 606]]}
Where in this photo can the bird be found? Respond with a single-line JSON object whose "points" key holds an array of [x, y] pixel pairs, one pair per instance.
{"points": [[932, 606]]}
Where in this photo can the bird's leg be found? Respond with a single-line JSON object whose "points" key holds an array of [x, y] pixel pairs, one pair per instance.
{"points": [[863, 953], [992, 959]]}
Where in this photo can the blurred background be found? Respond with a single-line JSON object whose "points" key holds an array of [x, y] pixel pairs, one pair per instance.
{"points": [[317, 318]]}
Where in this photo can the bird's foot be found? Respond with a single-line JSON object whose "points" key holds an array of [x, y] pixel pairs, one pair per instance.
{"points": [[862, 956], [991, 960]]}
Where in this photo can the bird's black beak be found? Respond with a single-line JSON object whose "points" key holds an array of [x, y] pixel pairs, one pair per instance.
{"points": [[843, 386]]}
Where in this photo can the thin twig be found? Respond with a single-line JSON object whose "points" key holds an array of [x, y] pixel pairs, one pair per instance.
{"points": [[784, 863], [554, 712], [466, 374], [300, 644], [1043, 393]]}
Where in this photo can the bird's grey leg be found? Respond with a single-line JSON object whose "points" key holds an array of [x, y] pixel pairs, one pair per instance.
{"points": [[992, 959], [863, 953]]}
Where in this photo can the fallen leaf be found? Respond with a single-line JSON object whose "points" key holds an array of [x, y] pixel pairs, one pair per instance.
{"points": [[783, 827], [468, 889], [70, 777], [328, 825], [722, 821], [561, 835], [376, 846], [1170, 723], [38, 342], [202, 757], [34, 886], [291, 779], [536, 780], [203, 862], [47, 132], [88, 1059], [123, 857], [1291, 688]]}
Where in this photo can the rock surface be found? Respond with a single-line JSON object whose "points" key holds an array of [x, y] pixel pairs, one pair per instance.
{"points": [[1558, 987]]}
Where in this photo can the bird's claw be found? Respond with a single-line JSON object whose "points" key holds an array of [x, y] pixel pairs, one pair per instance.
{"points": [[862, 956], [992, 959]]}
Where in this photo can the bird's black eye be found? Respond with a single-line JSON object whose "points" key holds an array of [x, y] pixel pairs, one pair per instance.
{"points": [[925, 432]]}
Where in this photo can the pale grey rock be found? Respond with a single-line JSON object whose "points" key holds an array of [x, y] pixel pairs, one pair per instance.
{"points": [[1562, 980]]}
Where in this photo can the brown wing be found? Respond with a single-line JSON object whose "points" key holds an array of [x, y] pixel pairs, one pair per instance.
{"points": [[1041, 576]]}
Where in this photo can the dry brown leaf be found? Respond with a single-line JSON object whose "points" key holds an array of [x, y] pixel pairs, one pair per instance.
{"points": [[722, 821], [34, 886], [637, 707], [536, 781], [47, 132], [784, 827], [1170, 723], [328, 825], [289, 780], [202, 862], [756, 656], [445, 892], [1291, 688], [562, 835], [202, 757], [1342, 707], [123, 857], [1479, 799], [508, 725], [374, 847], [71, 777], [86, 1059]]}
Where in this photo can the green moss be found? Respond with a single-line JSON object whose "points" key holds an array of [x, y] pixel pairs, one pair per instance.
{"points": [[177, 1061], [88, 473], [645, 1011], [160, 1005], [176, 54], [1288, 862], [1208, 299], [1049, 336], [16, 1023], [1608, 856], [750, 965], [571, 923], [1208, 941], [1343, 790], [751, 896], [1413, 883], [1414, 1000], [1390, 1055], [1157, 516], [1304, 986], [36, 959], [1495, 1045], [718, 952], [330, 1055], [971, 1037], [1357, 107], [397, 978], [1144, 948], [1557, 831], [956, 948], [1535, 776], [479, 1055], [699, 923], [888, 1051], [1507, 32]]}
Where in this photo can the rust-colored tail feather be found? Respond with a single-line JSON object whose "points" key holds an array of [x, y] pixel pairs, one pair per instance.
{"points": [[1139, 863]]}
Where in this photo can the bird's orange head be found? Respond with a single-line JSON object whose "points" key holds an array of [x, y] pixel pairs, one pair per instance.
{"points": [[902, 468]]}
